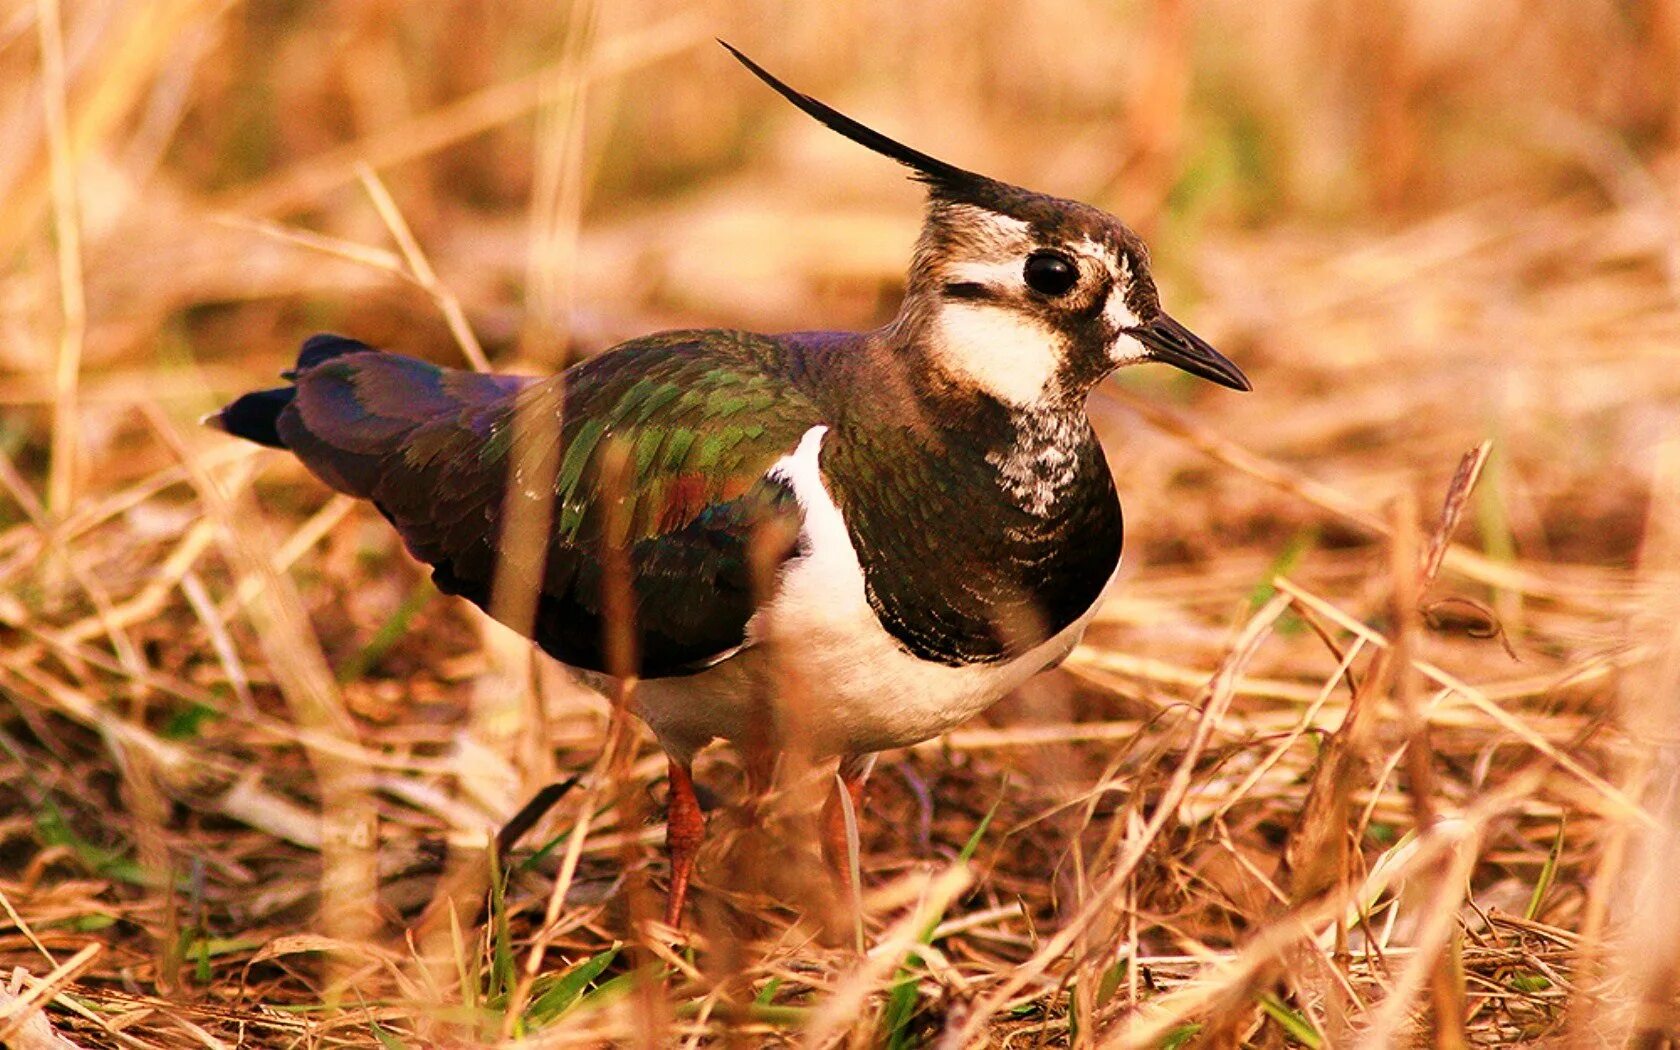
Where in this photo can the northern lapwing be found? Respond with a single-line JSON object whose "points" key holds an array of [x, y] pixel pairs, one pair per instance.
{"points": [[950, 522]]}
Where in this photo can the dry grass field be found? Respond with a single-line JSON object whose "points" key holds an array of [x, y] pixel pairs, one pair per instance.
{"points": [[1374, 743]]}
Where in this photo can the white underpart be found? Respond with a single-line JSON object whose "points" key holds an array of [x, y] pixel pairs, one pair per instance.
{"points": [[1008, 354], [847, 686], [1040, 466]]}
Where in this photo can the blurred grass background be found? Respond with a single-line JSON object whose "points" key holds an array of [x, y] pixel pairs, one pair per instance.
{"points": [[245, 745]]}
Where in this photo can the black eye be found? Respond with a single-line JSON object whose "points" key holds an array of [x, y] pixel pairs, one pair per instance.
{"points": [[1050, 273]]}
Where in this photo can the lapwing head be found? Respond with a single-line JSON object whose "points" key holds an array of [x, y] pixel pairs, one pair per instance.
{"points": [[1028, 297]]}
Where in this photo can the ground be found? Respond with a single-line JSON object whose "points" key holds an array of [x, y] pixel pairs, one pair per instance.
{"points": [[1368, 738]]}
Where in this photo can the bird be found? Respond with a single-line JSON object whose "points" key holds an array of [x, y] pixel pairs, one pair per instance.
{"points": [[915, 519]]}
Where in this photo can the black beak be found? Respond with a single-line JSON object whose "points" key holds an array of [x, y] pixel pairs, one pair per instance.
{"points": [[1172, 343]]}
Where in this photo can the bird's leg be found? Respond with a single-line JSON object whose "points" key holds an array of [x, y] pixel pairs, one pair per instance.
{"points": [[685, 828], [852, 775], [760, 767]]}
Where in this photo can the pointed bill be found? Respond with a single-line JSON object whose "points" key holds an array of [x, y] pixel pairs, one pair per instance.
{"points": [[1172, 343]]}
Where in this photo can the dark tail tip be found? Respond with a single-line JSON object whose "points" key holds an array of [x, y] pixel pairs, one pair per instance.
{"points": [[255, 417]]}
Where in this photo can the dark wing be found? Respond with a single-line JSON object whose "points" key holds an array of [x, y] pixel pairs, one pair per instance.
{"points": [[664, 444]]}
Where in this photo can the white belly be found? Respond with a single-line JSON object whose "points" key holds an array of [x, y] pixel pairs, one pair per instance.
{"points": [[844, 685]]}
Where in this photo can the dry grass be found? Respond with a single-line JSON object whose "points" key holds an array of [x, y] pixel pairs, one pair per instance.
{"points": [[1357, 753]]}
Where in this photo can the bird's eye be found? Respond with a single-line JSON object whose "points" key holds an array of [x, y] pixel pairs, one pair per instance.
{"points": [[1050, 273]]}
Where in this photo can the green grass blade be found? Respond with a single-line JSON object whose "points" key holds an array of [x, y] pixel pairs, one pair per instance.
{"points": [[901, 1001], [501, 936], [610, 991], [1291, 1021], [390, 632], [1298, 547], [566, 990], [1548, 873], [767, 994], [973, 842]]}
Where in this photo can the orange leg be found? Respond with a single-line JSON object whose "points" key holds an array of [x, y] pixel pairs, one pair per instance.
{"points": [[853, 774], [760, 767], [685, 828]]}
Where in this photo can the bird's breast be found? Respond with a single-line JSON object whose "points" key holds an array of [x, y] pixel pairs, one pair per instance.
{"points": [[845, 682], [975, 554]]}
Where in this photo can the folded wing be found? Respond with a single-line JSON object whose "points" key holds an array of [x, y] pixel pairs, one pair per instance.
{"points": [[659, 467]]}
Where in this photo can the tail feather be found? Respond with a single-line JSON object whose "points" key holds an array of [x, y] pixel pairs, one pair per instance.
{"points": [[378, 426]]}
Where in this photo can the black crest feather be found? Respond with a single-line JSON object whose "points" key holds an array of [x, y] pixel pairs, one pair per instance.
{"points": [[942, 177]]}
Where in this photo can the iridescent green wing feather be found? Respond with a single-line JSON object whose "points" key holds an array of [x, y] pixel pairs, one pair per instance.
{"points": [[663, 452]]}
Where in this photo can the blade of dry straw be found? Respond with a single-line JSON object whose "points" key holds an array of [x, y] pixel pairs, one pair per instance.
{"points": [[462, 119], [349, 819], [1458, 557], [67, 224], [1446, 984], [1440, 922], [838, 1013], [1233, 974], [1649, 907], [15, 1012], [1452, 510], [447, 302], [556, 210], [1219, 692], [1452, 685]]}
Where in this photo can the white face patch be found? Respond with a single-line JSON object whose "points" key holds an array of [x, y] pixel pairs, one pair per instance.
{"points": [[988, 274], [1125, 349], [1116, 312], [1008, 354]]}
